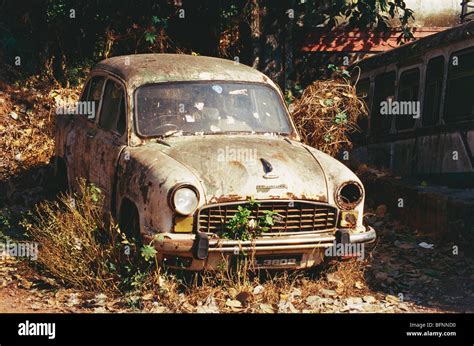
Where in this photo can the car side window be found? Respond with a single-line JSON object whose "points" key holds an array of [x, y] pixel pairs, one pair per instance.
{"points": [[92, 93], [112, 114]]}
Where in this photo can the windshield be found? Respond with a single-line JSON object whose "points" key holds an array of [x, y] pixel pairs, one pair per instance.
{"points": [[209, 108]]}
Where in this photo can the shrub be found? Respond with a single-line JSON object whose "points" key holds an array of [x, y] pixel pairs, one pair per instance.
{"points": [[79, 246], [327, 113]]}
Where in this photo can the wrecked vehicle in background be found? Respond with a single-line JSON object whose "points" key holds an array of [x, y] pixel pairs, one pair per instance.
{"points": [[199, 156]]}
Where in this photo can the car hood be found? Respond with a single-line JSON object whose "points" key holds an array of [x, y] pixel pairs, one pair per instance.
{"points": [[244, 166]]}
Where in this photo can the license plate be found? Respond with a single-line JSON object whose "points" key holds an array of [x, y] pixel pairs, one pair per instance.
{"points": [[277, 261]]}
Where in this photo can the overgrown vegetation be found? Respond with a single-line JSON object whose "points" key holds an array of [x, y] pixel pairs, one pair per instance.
{"points": [[81, 248], [328, 112], [244, 226]]}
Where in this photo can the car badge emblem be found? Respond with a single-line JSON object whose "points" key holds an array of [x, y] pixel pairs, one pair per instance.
{"points": [[268, 168]]}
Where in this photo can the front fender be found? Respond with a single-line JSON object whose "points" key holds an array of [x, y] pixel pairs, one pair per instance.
{"points": [[336, 174], [145, 177]]}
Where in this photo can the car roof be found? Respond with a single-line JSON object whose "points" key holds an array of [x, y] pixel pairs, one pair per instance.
{"points": [[141, 69]]}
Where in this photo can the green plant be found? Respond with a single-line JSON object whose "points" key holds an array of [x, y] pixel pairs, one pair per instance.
{"points": [[244, 226], [338, 72]]}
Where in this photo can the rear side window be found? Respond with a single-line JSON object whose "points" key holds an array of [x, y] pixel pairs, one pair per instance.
{"points": [[460, 95], [384, 90], [112, 114], [92, 93], [408, 92], [433, 85]]}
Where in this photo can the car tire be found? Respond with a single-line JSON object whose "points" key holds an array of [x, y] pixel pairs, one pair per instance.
{"points": [[129, 222], [59, 181]]}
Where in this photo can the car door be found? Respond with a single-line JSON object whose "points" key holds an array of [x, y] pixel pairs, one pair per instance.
{"points": [[110, 138], [77, 143]]}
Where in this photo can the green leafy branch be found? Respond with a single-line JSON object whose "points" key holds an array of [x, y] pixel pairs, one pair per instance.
{"points": [[244, 226]]}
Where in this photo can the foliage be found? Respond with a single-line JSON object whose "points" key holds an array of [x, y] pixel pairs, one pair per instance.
{"points": [[328, 112], [245, 226], [81, 248], [67, 36]]}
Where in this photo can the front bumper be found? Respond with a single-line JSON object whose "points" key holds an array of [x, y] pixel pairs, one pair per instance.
{"points": [[301, 251]]}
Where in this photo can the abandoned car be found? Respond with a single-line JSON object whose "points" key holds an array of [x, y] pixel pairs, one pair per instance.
{"points": [[199, 157]]}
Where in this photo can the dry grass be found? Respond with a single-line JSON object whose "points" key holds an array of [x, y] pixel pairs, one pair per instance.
{"points": [[76, 245], [327, 113]]}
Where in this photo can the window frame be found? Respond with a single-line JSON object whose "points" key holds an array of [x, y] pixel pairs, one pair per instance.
{"points": [[401, 72], [442, 81], [374, 106], [84, 91], [124, 89], [448, 86]]}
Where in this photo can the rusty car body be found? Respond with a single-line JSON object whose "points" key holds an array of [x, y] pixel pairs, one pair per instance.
{"points": [[178, 188]]}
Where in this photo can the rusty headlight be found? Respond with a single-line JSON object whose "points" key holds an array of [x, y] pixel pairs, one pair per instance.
{"points": [[349, 195], [184, 199]]}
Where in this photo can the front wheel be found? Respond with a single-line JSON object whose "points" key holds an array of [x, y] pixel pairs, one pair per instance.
{"points": [[59, 180]]}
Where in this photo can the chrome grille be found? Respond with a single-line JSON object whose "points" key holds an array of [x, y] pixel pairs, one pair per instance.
{"points": [[292, 217]]}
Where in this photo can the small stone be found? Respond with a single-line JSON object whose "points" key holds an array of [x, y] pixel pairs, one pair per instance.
{"points": [[371, 308], [258, 289], [295, 292], [267, 308], [158, 308], [369, 299], [353, 300], [391, 299], [233, 303], [334, 279], [403, 306], [100, 310], [314, 301], [14, 115]]}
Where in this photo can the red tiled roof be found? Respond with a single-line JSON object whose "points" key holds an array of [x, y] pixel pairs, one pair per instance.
{"points": [[360, 41]]}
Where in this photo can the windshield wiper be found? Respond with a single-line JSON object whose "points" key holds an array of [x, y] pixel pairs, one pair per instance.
{"points": [[173, 132], [161, 138]]}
